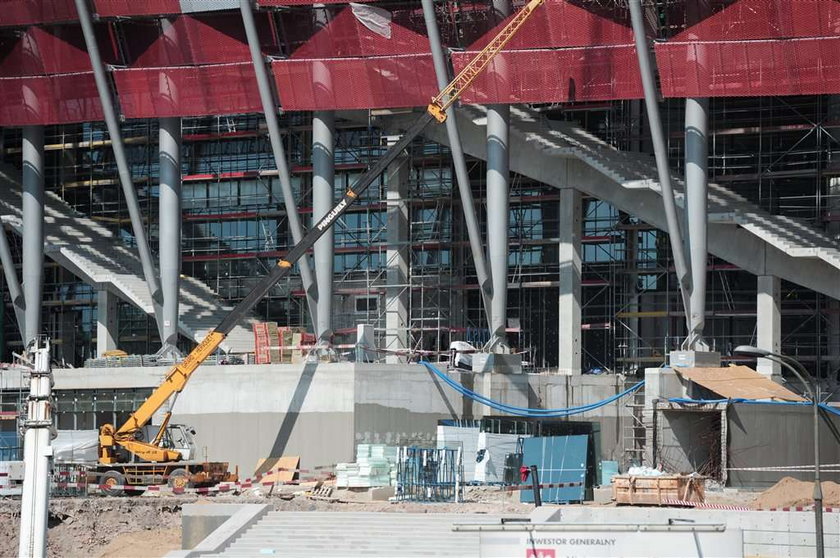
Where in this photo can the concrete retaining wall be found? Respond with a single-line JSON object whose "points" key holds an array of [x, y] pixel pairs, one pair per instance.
{"points": [[766, 533]]}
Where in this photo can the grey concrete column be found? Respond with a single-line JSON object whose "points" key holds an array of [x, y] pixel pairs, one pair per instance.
{"points": [[107, 333], [170, 230], [283, 175], [396, 291], [458, 161], [33, 228], [696, 188], [660, 150], [570, 275], [15, 291], [103, 88], [323, 188], [768, 321], [498, 217]]}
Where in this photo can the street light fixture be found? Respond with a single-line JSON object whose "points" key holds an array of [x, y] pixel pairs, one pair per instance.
{"points": [[813, 389]]}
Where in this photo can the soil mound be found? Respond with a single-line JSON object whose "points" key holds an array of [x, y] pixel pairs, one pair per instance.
{"points": [[790, 492]]}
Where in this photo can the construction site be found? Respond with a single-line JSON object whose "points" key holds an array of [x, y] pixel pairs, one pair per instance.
{"points": [[497, 278]]}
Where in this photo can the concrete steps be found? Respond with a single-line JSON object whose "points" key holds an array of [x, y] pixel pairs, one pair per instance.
{"points": [[350, 534], [91, 252]]}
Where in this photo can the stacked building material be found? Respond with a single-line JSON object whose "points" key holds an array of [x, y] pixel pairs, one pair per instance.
{"points": [[466, 438], [375, 466]]}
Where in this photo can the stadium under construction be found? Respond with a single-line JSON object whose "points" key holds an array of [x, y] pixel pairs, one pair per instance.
{"points": [[626, 192]]}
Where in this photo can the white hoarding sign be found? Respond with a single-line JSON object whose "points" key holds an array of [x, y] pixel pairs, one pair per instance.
{"points": [[587, 543]]}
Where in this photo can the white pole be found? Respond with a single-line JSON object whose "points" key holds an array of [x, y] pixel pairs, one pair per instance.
{"points": [[37, 454]]}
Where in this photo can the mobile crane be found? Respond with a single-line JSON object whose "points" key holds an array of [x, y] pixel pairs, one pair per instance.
{"points": [[127, 452]]}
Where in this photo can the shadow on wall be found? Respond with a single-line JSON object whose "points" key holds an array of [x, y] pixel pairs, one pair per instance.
{"points": [[292, 413]]}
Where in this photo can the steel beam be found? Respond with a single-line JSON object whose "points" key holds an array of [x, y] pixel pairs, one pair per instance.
{"points": [[323, 187], [460, 164], [15, 291], [170, 230], [276, 139], [132, 203], [696, 201], [661, 154], [498, 207], [33, 228]]}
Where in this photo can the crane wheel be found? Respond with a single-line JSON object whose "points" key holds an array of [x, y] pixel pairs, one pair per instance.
{"points": [[179, 479], [110, 479]]}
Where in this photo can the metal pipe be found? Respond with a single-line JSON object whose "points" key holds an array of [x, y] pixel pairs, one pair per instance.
{"points": [[498, 217], [131, 201], [498, 195], [323, 181], [36, 455], [15, 292], [696, 201], [33, 228], [461, 174], [276, 140], [661, 154], [170, 229]]}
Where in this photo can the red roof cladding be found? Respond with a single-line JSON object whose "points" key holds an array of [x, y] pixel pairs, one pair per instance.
{"points": [[559, 24], [768, 19], [355, 83], [57, 99], [111, 8], [556, 75], [47, 50], [344, 36], [204, 39], [304, 2], [187, 90], [28, 12]]}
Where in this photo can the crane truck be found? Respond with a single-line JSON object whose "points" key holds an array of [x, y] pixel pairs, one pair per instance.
{"points": [[136, 452]]}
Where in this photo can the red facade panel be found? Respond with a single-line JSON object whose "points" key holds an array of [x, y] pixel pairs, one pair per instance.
{"points": [[345, 36], [45, 50], [57, 99], [187, 91], [557, 23], [750, 68], [355, 83], [556, 75], [768, 19], [29, 12], [187, 40], [305, 2], [112, 8]]}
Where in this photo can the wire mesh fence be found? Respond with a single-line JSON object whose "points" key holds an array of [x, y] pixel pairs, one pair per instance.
{"points": [[430, 475]]}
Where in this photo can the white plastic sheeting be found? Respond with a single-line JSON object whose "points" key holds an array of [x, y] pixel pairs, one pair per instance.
{"points": [[375, 19], [76, 446], [491, 468], [464, 437]]}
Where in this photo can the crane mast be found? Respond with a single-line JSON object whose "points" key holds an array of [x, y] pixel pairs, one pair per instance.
{"points": [[178, 376]]}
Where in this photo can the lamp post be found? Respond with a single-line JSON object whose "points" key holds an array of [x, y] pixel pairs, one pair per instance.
{"points": [[812, 388]]}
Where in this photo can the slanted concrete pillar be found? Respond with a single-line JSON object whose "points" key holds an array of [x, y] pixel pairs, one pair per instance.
{"points": [[570, 274], [397, 292], [170, 230], [498, 216], [769, 321], [323, 187], [33, 228], [106, 322]]}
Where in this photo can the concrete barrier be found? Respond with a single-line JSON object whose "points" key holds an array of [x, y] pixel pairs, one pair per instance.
{"points": [[210, 528]]}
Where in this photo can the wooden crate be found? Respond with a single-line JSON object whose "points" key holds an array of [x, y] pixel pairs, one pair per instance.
{"points": [[658, 491]]}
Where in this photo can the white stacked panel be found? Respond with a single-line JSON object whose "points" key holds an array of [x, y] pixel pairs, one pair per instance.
{"points": [[464, 437]]}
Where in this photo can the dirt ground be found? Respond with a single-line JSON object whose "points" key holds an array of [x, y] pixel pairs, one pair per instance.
{"points": [[150, 526], [790, 492]]}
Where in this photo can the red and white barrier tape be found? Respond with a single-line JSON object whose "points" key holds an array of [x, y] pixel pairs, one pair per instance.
{"points": [[705, 506]]}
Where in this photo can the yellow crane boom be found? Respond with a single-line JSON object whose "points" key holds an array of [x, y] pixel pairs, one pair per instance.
{"points": [[178, 376]]}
